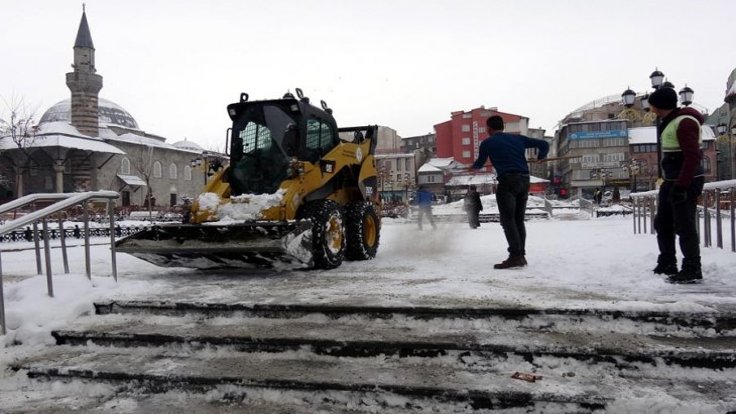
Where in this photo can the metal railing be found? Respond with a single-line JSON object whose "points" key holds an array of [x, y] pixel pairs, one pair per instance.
{"points": [[62, 202], [718, 202]]}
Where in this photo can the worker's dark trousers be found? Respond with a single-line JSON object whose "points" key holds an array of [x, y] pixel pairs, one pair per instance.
{"points": [[678, 220], [511, 197]]}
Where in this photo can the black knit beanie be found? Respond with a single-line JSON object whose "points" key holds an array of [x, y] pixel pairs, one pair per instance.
{"points": [[664, 98]]}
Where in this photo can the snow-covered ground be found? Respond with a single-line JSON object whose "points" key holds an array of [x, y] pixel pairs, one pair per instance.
{"points": [[573, 263]]}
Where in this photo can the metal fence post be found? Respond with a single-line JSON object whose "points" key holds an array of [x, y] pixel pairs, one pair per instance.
{"points": [[2, 299], [111, 211], [62, 235], [719, 228], [47, 255], [732, 201], [652, 213], [87, 263], [39, 270]]}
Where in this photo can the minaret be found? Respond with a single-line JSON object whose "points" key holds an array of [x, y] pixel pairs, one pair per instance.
{"points": [[84, 82]]}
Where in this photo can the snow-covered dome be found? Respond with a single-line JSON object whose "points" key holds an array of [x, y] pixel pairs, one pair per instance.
{"points": [[110, 113], [188, 145]]}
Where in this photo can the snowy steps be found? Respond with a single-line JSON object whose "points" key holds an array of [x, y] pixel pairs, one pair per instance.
{"points": [[422, 357]]}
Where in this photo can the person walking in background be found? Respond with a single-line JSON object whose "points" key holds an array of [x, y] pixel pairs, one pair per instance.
{"points": [[424, 203], [507, 153], [28, 233], [683, 183], [598, 196], [473, 207]]}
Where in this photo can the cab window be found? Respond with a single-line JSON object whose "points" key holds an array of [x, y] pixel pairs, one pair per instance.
{"points": [[320, 136]]}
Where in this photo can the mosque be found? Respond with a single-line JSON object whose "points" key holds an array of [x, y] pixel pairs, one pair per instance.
{"points": [[88, 143]]}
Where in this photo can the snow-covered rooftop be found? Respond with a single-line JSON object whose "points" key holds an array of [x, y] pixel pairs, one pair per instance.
{"points": [[188, 145], [110, 113], [66, 141], [427, 167]]}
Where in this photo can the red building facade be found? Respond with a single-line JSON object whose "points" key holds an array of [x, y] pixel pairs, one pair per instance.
{"points": [[460, 136]]}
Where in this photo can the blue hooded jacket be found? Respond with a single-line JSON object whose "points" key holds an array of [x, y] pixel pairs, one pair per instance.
{"points": [[508, 152]]}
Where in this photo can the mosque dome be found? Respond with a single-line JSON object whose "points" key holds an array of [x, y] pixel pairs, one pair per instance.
{"points": [[188, 145], [110, 113]]}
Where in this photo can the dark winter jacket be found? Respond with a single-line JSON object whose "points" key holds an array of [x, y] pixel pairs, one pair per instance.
{"points": [[508, 152], [472, 201], [684, 165]]}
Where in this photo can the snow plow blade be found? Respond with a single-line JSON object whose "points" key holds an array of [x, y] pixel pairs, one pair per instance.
{"points": [[284, 245]]}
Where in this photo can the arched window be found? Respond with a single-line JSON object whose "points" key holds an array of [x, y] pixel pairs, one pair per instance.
{"points": [[187, 173], [157, 169], [172, 171], [125, 166]]}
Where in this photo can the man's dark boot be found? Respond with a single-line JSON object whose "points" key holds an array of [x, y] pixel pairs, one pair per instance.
{"points": [[512, 261], [691, 272], [669, 269], [685, 276]]}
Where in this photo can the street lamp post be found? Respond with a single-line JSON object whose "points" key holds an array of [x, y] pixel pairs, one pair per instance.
{"points": [[632, 169], [721, 129], [407, 177], [731, 143]]}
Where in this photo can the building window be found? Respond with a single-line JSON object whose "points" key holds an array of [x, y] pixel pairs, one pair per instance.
{"points": [[172, 171], [706, 165], [466, 154], [466, 141], [157, 169], [465, 128], [172, 199], [407, 163], [125, 166], [187, 173]]}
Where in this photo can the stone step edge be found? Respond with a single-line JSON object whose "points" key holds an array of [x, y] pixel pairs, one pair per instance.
{"points": [[719, 321], [476, 398], [683, 358]]}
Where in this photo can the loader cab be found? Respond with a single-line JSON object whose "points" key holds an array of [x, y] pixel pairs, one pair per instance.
{"points": [[266, 135]]}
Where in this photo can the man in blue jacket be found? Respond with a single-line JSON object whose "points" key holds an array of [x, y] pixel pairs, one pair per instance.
{"points": [[424, 202], [507, 153]]}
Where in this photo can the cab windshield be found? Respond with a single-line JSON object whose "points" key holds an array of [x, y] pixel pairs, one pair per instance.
{"points": [[259, 160]]}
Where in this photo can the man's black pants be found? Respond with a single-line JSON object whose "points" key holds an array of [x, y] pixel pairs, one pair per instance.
{"points": [[511, 197], [678, 219]]}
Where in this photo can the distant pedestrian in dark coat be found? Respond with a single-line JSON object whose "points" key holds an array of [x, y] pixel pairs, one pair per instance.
{"points": [[598, 196], [424, 202], [76, 232], [473, 207], [28, 234]]}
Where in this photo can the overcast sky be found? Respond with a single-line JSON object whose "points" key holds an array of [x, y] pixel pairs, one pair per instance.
{"points": [[175, 65]]}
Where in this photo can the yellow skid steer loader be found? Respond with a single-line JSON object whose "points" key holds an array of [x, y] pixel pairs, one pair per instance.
{"points": [[298, 192]]}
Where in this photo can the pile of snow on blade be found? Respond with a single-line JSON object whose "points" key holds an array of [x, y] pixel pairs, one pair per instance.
{"points": [[241, 208]]}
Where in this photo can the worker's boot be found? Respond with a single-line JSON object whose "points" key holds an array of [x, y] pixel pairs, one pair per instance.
{"points": [[512, 261], [665, 269], [691, 272]]}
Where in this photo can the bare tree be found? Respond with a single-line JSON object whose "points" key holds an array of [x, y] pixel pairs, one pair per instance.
{"points": [[18, 125], [142, 160]]}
